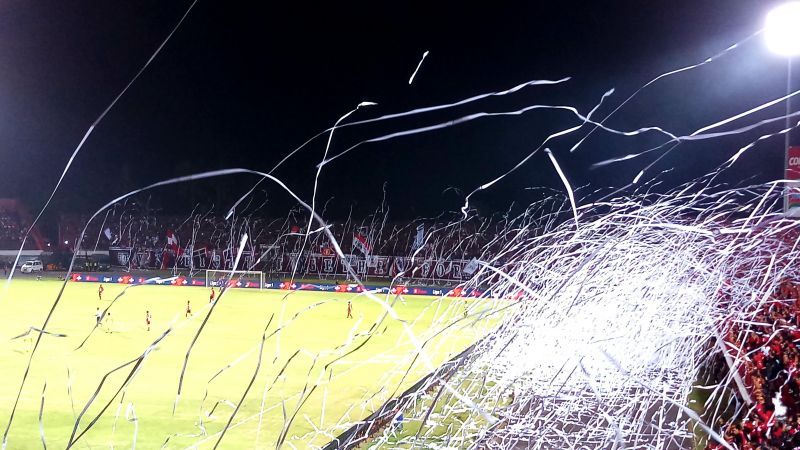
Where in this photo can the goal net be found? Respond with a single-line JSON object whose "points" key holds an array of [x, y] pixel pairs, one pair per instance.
{"points": [[238, 278]]}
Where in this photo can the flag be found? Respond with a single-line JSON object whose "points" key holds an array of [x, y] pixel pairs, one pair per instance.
{"points": [[419, 239], [471, 267], [360, 243], [172, 242]]}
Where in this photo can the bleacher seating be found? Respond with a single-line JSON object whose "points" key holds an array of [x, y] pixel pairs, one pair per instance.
{"points": [[13, 221]]}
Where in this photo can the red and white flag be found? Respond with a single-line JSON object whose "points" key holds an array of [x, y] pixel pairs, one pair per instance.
{"points": [[172, 241], [361, 244]]}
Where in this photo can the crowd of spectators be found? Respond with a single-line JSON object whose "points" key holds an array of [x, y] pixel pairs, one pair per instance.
{"points": [[138, 229], [11, 230], [771, 373]]}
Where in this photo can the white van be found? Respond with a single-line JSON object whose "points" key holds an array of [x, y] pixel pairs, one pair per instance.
{"points": [[32, 266]]}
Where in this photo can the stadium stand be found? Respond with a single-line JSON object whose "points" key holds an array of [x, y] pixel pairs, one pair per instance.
{"points": [[137, 229], [14, 219], [139, 238], [771, 374]]}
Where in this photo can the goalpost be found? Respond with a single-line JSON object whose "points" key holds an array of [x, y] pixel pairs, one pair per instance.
{"points": [[240, 278]]}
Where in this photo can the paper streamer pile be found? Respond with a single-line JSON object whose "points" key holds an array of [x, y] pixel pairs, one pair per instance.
{"points": [[615, 324]]}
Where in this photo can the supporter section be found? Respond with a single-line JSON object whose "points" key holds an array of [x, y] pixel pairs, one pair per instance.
{"points": [[767, 348]]}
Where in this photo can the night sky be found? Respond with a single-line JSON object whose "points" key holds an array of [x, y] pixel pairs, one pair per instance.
{"points": [[241, 85]]}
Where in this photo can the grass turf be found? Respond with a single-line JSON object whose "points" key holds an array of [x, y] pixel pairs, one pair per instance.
{"points": [[339, 370]]}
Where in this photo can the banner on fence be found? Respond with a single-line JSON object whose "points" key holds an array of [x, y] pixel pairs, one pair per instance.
{"points": [[316, 265], [122, 278]]}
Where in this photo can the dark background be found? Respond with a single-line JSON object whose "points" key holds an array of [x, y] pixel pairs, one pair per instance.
{"points": [[240, 85]]}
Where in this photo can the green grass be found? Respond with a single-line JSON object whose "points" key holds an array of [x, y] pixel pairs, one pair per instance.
{"points": [[350, 388], [445, 419]]}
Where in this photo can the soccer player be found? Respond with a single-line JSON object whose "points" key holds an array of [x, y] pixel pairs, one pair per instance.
{"points": [[349, 310], [109, 322], [147, 319], [100, 292], [188, 309], [99, 316], [212, 296]]}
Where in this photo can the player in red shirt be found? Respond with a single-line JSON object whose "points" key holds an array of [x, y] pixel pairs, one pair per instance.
{"points": [[147, 319], [212, 296], [349, 310], [188, 309], [100, 292]]}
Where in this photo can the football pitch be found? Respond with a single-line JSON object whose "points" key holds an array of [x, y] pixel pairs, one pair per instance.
{"points": [[319, 371]]}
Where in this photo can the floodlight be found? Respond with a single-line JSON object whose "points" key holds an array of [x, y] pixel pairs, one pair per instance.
{"points": [[782, 29]]}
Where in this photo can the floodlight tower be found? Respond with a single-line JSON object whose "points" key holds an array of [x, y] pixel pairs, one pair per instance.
{"points": [[782, 36]]}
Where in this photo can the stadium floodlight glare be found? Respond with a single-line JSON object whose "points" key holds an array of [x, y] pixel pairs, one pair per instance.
{"points": [[782, 29]]}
